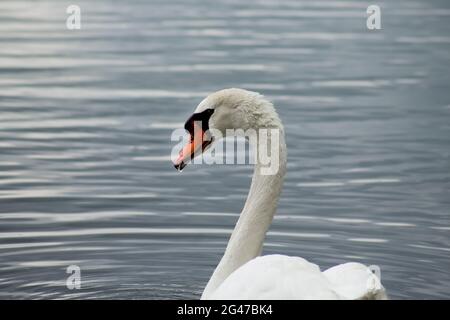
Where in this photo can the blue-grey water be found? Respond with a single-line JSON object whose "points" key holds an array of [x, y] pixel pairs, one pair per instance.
{"points": [[86, 117]]}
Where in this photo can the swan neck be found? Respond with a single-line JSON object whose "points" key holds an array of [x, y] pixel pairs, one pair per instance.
{"points": [[247, 238]]}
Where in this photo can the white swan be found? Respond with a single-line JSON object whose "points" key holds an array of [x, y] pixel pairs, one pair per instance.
{"points": [[242, 273]]}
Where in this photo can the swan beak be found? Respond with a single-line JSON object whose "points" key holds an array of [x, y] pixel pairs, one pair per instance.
{"points": [[198, 143]]}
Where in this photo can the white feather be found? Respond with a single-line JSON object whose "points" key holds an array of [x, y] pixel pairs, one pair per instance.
{"points": [[355, 281], [278, 277]]}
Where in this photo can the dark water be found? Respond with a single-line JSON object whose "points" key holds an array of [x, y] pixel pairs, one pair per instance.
{"points": [[86, 118]]}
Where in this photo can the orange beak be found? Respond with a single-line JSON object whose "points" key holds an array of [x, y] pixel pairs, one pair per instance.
{"points": [[195, 146]]}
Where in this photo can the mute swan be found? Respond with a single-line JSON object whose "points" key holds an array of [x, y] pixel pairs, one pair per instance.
{"points": [[242, 273]]}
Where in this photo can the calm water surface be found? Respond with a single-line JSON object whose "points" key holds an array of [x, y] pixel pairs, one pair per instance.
{"points": [[86, 118]]}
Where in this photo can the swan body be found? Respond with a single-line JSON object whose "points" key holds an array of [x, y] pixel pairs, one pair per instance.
{"points": [[242, 273], [279, 277]]}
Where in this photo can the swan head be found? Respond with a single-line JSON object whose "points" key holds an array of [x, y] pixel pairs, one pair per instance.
{"points": [[220, 114]]}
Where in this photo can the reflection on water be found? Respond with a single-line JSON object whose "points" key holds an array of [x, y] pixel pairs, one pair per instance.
{"points": [[86, 118]]}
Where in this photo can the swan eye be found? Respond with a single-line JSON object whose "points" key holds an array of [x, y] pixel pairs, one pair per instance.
{"points": [[197, 117]]}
